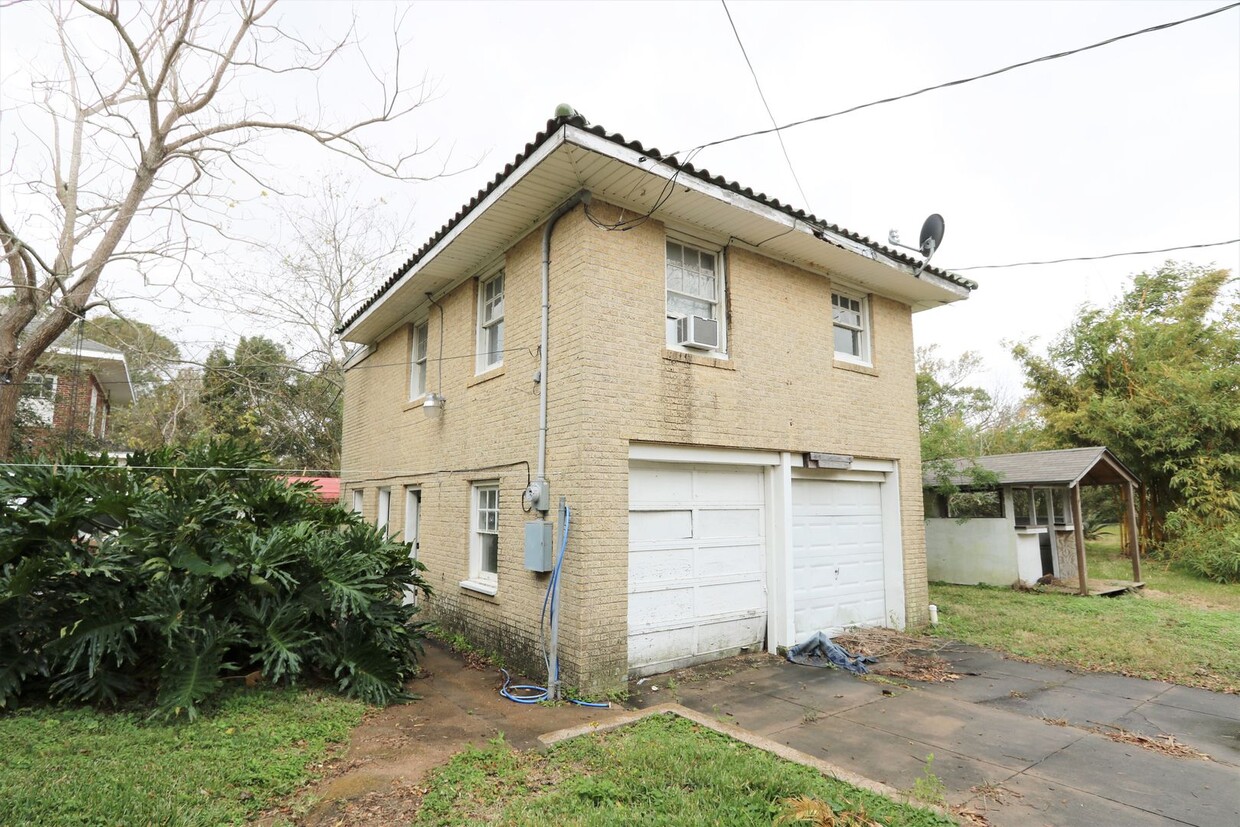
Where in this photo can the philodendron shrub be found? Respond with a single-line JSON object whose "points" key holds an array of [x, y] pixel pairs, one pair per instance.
{"points": [[161, 582]]}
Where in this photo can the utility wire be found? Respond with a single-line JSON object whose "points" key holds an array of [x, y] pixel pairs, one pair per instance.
{"points": [[770, 114], [961, 81], [1095, 258]]}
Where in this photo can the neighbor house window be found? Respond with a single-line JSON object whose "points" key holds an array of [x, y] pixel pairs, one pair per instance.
{"points": [[849, 316], [694, 287], [94, 409], [484, 538], [417, 361], [491, 322], [39, 397], [359, 498]]}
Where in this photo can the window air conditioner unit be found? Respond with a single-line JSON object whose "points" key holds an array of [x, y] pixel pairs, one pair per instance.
{"points": [[696, 332]]}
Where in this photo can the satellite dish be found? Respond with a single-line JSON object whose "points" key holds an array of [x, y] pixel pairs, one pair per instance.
{"points": [[931, 235]]}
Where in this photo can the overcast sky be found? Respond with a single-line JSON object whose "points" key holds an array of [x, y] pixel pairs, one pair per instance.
{"points": [[1129, 147]]}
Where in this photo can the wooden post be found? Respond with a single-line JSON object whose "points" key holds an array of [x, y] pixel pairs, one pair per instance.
{"points": [[1134, 547], [1078, 529]]}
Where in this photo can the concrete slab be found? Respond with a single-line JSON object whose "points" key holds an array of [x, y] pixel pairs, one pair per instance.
{"points": [[1018, 668], [1118, 685], [1215, 736], [1201, 700], [1194, 792], [756, 712], [895, 761], [1042, 803], [833, 694], [967, 729], [1077, 707], [978, 688]]}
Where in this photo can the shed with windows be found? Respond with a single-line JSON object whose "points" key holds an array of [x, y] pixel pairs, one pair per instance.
{"points": [[1027, 526]]}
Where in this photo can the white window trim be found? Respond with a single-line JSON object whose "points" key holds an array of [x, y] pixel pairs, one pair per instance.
{"points": [[359, 500], [419, 363], [94, 409], [721, 300], [383, 513], [866, 358], [483, 365], [479, 580], [42, 403]]}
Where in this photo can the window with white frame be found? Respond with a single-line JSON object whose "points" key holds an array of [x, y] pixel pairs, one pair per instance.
{"points": [[417, 361], [694, 287], [94, 409], [359, 499], [491, 322], [39, 397], [385, 509], [850, 318], [484, 538]]}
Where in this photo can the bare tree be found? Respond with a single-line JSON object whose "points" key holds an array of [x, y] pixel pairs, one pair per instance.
{"points": [[336, 248], [152, 107]]}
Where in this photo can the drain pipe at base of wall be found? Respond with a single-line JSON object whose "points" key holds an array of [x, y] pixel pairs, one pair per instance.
{"points": [[539, 493]]}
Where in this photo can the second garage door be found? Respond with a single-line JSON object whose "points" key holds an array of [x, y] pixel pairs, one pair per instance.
{"points": [[697, 563], [837, 555]]}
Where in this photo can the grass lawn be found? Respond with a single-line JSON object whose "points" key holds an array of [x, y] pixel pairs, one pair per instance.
{"points": [[1183, 629], [82, 767], [662, 770]]}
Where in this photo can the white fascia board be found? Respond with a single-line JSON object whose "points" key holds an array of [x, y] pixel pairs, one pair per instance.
{"points": [[647, 163], [359, 354], [549, 146]]}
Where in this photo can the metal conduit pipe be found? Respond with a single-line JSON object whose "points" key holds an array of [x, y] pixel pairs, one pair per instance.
{"points": [[542, 501]]}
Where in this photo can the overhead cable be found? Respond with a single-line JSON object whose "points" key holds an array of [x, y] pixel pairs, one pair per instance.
{"points": [[1095, 258], [961, 81], [778, 134]]}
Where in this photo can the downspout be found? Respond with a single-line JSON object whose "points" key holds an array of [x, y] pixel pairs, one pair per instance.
{"points": [[541, 496]]}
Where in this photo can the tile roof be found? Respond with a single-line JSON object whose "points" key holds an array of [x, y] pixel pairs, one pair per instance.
{"points": [[1048, 467], [686, 168]]}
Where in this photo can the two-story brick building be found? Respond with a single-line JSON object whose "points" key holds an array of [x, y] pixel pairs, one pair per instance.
{"points": [[724, 387]]}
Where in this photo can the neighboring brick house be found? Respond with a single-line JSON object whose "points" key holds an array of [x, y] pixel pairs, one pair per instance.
{"points": [[737, 481], [73, 392]]}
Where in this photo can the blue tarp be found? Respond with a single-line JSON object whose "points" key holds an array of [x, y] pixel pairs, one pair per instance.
{"points": [[822, 652]]}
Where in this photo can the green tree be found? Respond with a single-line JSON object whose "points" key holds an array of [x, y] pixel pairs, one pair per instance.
{"points": [[1155, 377]]}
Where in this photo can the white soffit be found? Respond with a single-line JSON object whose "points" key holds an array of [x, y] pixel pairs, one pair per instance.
{"points": [[575, 159]]}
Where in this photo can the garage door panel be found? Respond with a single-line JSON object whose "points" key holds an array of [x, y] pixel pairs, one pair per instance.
{"points": [[728, 561], [697, 585], [660, 526], [660, 566], [659, 483], [720, 523]]}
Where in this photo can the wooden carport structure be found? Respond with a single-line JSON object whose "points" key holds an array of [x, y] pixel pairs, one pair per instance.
{"points": [[1062, 470]]}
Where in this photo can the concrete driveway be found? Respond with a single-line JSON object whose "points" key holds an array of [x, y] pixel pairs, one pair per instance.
{"points": [[1010, 738]]}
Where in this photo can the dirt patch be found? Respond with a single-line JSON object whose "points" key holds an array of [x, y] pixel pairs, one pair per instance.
{"points": [[379, 778]]}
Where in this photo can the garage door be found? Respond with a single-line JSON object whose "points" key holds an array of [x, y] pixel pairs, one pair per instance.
{"points": [[837, 555], [697, 563]]}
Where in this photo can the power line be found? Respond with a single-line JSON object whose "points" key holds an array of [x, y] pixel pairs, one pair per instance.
{"points": [[1096, 258], [961, 81], [770, 114]]}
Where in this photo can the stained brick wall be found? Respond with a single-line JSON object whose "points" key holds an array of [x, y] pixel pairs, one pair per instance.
{"points": [[613, 382]]}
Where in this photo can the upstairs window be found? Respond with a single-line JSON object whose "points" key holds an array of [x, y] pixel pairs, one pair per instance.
{"points": [[694, 288], [491, 322], [850, 318], [417, 361]]}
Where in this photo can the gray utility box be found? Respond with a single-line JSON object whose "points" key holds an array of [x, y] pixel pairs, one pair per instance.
{"points": [[540, 545]]}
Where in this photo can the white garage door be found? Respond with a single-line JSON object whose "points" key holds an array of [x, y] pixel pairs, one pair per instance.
{"points": [[697, 563], [837, 555]]}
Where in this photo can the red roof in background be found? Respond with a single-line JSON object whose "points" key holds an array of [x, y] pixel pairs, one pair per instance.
{"points": [[328, 488]]}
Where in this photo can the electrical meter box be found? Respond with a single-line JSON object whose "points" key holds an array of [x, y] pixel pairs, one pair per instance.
{"points": [[540, 545]]}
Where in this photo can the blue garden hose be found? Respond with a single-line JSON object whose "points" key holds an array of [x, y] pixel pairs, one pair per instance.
{"points": [[530, 693]]}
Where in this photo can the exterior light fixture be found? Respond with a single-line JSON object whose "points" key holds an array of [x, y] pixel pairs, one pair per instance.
{"points": [[433, 406]]}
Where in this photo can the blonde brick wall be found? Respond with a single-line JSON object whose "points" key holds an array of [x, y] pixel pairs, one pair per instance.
{"points": [[613, 382]]}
